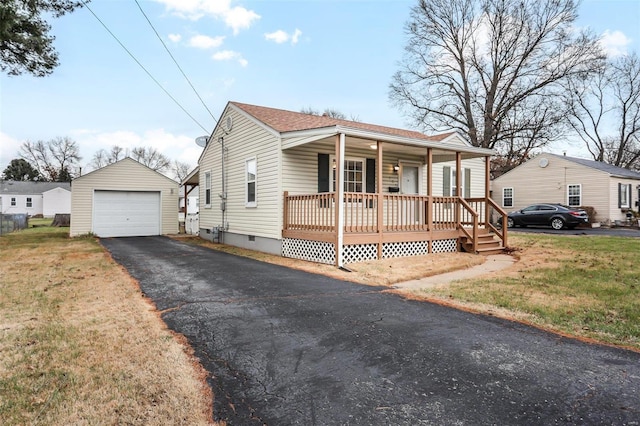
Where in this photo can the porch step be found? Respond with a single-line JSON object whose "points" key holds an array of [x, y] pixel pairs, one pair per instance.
{"points": [[486, 245]]}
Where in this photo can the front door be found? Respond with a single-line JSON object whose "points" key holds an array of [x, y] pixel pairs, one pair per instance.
{"points": [[409, 179], [410, 186]]}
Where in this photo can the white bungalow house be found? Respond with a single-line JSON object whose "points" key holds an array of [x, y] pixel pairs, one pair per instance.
{"points": [[35, 198], [548, 178], [337, 191]]}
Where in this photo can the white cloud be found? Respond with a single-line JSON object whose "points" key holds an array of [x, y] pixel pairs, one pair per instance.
{"points": [[239, 18], [281, 36], [228, 55], [296, 35], [175, 37], [277, 36], [9, 148], [205, 42], [614, 43], [235, 17]]}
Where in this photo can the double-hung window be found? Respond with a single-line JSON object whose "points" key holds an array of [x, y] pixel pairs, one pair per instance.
{"points": [[29, 202], [207, 189], [13, 201], [574, 195], [449, 184], [624, 195], [354, 175], [251, 168], [507, 197]]}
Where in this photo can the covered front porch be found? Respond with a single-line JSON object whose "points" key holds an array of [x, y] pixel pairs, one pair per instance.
{"points": [[340, 227]]}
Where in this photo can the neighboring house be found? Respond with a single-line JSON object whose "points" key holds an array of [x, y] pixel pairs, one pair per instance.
{"points": [[35, 198], [270, 181], [125, 198], [548, 178]]}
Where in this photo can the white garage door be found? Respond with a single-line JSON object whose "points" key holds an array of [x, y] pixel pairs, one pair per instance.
{"points": [[126, 213]]}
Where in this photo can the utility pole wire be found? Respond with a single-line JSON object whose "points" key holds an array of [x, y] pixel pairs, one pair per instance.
{"points": [[142, 66], [176, 62]]}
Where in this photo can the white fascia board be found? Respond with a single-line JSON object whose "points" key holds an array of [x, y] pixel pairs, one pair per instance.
{"points": [[382, 137], [302, 137]]}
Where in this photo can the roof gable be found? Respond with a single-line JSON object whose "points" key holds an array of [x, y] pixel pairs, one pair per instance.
{"points": [[125, 161]]}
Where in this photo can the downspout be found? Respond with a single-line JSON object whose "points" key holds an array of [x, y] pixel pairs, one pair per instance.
{"points": [[223, 204]]}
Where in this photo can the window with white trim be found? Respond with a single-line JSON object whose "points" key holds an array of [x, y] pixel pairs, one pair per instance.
{"points": [[207, 189], [574, 195], [624, 195], [251, 167], [507, 197], [354, 175], [13, 201], [29, 202]]}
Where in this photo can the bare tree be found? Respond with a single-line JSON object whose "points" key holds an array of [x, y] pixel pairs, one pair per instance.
{"points": [[103, 157], [180, 170], [605, 112], [56, 159], [329, 112], [151, 158], [492, 69]]}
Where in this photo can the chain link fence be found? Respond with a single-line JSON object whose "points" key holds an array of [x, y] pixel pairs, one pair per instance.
{"points": [[13, 222]]}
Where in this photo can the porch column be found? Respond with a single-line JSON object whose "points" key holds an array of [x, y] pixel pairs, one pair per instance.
{"points": [[429, 161], [487, 191], [380, 201], [340, 142], [458, 184]]}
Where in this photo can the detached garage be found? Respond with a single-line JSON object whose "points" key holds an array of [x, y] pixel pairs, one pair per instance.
{"points": [[124, 199]]}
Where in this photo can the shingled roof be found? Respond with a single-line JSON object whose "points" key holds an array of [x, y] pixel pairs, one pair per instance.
{"points": [[30, 188], [603, 167], [289, 121]]}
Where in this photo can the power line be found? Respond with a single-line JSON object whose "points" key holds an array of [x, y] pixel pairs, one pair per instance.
{"points": [[176, 62], [142, 66]]}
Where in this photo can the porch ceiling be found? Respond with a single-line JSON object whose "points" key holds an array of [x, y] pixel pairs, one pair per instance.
{"points": [[403, 147]]}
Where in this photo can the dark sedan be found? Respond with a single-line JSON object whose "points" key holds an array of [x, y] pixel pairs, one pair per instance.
{"points": [[556, 216]]}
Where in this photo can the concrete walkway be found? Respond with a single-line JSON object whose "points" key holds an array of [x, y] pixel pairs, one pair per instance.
{"points": [[493, 263]]}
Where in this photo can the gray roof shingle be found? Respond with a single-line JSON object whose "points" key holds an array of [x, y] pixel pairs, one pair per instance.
{"points": [[30, 188], [604, 167]]}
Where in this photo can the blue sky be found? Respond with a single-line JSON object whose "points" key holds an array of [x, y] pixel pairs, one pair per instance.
{"points": [[286, 54]]}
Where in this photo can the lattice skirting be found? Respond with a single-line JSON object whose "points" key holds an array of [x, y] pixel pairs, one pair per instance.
{"points": [[359, 253], [313, 251], [444, 246], [316, 251]]}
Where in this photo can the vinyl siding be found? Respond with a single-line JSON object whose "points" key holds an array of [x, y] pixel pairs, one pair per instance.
{"points": [[21, 204], [246, 140], [54, 201], [615, 212], [300, 166], [125, 175], [476, 165], [534, 184]]}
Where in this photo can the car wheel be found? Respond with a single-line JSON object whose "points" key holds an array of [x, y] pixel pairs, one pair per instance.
{"points": [[557, 223], [510, 223]]}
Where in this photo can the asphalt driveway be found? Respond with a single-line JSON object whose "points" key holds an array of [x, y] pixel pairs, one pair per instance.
{"points": [[288, 347]]}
